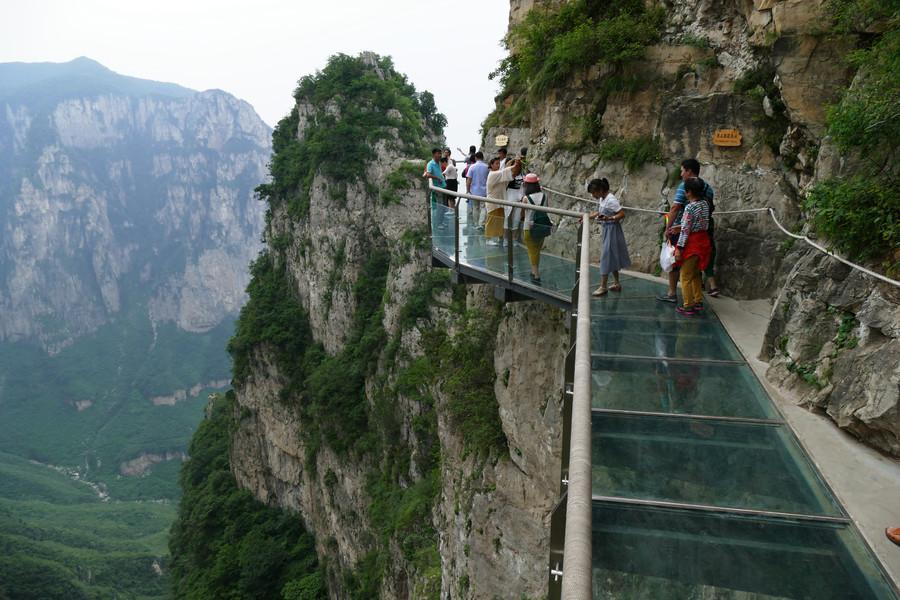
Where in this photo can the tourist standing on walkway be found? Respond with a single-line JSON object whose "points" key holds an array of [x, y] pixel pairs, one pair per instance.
{"points": [[433, 171], [450, 176], [613, 251], [496, 189], [531, 188], [513, 194], [692, 249], [476, 185], [690, 167]]}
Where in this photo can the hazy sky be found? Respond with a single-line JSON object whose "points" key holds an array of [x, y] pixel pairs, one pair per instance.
{"points": [[258, 50]]}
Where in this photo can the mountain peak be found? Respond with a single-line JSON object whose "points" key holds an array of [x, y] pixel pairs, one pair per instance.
{"points": [[82, 76]]}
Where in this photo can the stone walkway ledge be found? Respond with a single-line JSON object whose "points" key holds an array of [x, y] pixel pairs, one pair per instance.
{"points": [[866, 481]]}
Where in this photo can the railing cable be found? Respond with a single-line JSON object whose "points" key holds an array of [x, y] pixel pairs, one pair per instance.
{"points": [[771, 212]]}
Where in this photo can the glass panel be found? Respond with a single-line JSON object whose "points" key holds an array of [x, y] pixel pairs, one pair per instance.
{"points": [[684, 337], [557, 274], [720, 463], [645, 552], [695, 387], [625, 305]]}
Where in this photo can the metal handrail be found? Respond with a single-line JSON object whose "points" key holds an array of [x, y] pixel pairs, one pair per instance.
{"points": [[577, 581]]}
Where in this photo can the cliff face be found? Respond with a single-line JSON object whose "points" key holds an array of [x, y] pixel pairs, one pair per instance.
{"points": [[117, 191], [750, 66], [765, 69], [446, 489]]}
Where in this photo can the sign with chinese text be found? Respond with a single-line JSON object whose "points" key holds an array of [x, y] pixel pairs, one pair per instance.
{"points": [[727, 137]]}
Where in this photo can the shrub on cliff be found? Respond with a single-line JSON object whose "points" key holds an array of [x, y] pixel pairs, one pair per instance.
{"points": [[861, 214], [356, 102], [224, 543], [552, 43]]}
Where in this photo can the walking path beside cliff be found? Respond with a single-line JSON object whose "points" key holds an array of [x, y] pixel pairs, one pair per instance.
{"points": [[866, 481]]}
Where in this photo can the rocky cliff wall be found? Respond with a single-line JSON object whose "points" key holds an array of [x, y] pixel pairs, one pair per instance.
{"points": [[450, 405], [108, 199], [766, 69]]}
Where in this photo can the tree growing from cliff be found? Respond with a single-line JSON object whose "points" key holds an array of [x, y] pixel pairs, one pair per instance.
{"points": [[861, 214], [359, 102]]}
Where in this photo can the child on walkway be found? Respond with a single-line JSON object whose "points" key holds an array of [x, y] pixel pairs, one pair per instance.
{"points": [[693, 248]]}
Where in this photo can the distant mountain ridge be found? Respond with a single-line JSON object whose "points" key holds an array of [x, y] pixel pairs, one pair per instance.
{"points": [[51, 81], [128, 220], [101, 177]]}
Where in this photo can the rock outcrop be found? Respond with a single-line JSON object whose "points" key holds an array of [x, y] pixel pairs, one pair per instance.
{"points": [[122, 186], [834, 341]]}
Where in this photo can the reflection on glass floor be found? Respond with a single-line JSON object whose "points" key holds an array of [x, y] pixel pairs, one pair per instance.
{"points": [[656, 552], [700, 489]]}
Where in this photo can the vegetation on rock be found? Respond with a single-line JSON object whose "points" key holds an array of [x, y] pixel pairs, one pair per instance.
{"points": [[358, 102], [224, 543], [860, 214], [551, 44]]}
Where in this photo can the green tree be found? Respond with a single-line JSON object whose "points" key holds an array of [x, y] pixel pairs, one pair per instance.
{"points": [[861, 214]]}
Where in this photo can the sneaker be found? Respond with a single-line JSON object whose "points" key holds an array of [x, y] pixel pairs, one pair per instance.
{"points": [[516, 243], [684, 310], [667, 298], [714, 292], [493, 242], [698, 307], [480, 228]]}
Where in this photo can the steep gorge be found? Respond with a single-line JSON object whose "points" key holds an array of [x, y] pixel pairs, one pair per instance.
{"points": [[415, 426]]}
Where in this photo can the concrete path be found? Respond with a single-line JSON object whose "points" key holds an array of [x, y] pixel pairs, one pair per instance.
{"points": [[866, 481]]}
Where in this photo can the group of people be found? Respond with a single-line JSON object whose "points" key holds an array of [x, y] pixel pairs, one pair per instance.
{"points": [[689, 223], [501, 178], [689, 229]]}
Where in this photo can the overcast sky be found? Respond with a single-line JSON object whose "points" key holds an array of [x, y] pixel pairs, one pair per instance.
{"points": [[258, 50]]}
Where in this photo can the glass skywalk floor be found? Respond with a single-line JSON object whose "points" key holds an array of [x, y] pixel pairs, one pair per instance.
{"points": [[700, 490]]}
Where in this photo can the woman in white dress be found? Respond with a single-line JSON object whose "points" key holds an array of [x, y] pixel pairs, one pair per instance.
{"points": [[613, 250]]}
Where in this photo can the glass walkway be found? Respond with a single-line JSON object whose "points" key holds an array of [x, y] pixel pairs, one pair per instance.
{"points": [[699, 488]]}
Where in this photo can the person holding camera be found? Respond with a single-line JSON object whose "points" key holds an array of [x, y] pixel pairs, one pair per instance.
{"points": [[497, 181]]}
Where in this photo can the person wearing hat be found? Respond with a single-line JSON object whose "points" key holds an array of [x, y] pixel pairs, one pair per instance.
{"points": [[531, 189]]}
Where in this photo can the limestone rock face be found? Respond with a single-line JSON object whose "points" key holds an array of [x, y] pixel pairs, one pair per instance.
{"points": [[685, 93], [145, 191], [499, 539], [834, 338]]}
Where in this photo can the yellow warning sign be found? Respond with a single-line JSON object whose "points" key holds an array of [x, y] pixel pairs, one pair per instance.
{"points": [[727, 137]]}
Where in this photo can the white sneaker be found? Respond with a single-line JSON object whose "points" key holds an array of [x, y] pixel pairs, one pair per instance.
{"points": [[493, 242], [516, 243]]}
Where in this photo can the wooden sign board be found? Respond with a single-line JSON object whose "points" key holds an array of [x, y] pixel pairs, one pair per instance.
{"points": [[727, 137], [501, 140]]}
